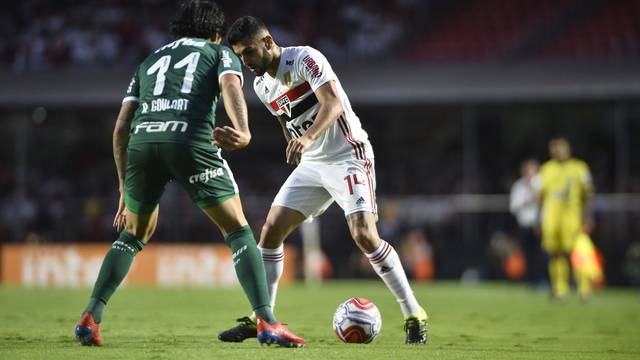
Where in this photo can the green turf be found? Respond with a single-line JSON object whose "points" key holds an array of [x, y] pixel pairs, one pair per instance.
{"points": [[491, 321]]}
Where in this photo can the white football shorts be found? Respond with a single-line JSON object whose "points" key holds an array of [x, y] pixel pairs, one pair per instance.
{"points": [[313, 186]]}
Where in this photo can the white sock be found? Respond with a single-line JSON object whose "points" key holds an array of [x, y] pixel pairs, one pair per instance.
{"points": [[386, 263], [274, 266]]}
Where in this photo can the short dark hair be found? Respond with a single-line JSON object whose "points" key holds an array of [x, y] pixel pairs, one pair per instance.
{"points": [[243, 28], [559, 137], [198, 18]]}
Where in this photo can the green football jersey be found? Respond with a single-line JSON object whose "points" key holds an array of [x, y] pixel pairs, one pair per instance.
{"points": [[177, 88]]}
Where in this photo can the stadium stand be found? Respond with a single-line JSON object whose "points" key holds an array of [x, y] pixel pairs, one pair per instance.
{"points": [[38, 36], [486, 29], [613, 30]]}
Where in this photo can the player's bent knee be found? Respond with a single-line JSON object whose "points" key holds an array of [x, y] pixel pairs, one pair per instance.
{"points": [[148, 234], [227, 215], [367, 240], [272, 236], [142, 230], [228, 227], [128, 243], [143, 235]]}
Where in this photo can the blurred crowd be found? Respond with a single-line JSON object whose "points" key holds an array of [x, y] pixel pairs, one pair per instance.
{"points": [[40, 35], [37, 34]]}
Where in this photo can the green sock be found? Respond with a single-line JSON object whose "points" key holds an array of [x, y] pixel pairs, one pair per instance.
{"points": [[96, 306], [115, 267], [247, 261]]}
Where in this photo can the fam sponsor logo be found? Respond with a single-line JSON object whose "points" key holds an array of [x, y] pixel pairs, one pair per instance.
{"points": [[206, 175], [161, 126]]}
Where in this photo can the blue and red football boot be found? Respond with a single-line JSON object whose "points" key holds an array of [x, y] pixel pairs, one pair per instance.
{"points": [[88, 331], [277, 334]]}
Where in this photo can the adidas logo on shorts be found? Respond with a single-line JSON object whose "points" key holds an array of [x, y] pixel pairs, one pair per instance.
{"points": [[360, 201]]}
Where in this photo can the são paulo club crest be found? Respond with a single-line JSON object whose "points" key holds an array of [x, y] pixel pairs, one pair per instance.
{"points": [[284, 104]]}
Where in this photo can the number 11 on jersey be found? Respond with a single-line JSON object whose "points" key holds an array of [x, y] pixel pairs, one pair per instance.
{"points": [[162, 65]]}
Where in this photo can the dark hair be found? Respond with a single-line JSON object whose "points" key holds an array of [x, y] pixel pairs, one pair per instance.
{"points": [[559, 137], [198, 18], [243, 28]]}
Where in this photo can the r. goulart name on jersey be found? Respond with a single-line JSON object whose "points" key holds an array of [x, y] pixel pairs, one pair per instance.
{"points": [[162, 104]]}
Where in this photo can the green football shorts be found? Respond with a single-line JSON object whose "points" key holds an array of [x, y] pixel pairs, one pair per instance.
{"points": [[203, 173]]}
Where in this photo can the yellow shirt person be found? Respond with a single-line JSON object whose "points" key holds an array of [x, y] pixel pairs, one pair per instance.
{"points": [[566, 190], [566, 185]]}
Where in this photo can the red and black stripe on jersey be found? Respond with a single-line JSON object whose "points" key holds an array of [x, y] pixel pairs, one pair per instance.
{"points": [[293, 95], [358, 146], [361, 154]]}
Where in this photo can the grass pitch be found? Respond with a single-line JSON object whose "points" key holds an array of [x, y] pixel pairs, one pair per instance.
{"points": [[490, 321]]}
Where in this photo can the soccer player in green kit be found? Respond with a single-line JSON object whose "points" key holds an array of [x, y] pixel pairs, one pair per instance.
{"points": [[164, 132]]}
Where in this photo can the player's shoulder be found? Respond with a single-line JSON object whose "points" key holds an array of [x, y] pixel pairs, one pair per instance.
{"points": [[298, 54], [548, 166], [218, 52], [222, 49], [549, 169], [150, 59], [220, 46], [579, 165], [311, 61], [578, 162], [301, 50]]}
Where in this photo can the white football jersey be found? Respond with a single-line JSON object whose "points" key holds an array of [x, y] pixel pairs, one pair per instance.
{"points": [[290, 96]]}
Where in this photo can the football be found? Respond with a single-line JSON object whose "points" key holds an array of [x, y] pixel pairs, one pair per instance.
{"points": [[357, 320]]}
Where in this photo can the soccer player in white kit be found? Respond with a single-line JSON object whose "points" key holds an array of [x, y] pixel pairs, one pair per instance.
{"points": [[334, 160]]}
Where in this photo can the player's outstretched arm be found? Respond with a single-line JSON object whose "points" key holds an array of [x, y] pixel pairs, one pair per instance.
{"points": [[330, 110], [238, 136], [120, 143]]}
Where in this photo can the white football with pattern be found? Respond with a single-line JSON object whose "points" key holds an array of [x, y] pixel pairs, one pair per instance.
{"points": [[357, 320]]}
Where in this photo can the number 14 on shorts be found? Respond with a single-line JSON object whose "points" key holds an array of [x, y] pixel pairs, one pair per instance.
{"points": [[352, 180]]}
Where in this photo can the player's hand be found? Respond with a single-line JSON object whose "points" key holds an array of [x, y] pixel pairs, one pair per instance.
{"points": [[230, 138], [296, 148], [120, 220]]}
